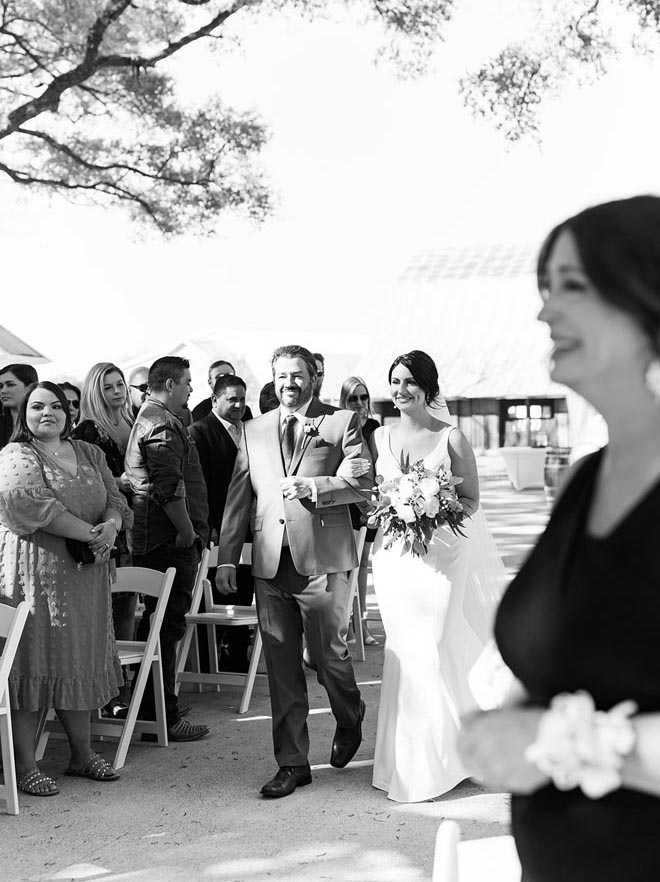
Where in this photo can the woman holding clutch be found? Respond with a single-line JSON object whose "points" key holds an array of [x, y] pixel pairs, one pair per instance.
{"points": [[54, 490]]}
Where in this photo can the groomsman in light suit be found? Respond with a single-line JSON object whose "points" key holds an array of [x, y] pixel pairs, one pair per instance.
{"points": [[303, 548]]}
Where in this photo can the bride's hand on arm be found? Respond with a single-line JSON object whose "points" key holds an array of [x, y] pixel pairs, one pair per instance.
{"points": [[464, 465], [353, 467], [492, 748]]}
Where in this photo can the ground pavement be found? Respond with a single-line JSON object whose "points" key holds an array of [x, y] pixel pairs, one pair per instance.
{"points": [[192, 811]]}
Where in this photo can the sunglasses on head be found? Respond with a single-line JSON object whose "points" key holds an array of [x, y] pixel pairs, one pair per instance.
{"points": [[353, 399], [141, 388]]}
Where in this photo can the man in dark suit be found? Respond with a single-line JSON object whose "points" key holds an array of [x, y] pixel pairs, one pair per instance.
{"points": [[217, 437], [217, 369]]}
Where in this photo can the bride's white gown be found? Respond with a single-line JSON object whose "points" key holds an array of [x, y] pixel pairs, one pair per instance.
{"points": [[430, 653]]}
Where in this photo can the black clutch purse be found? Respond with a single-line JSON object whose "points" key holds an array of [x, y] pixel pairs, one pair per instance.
{"points": [[80, 552]]}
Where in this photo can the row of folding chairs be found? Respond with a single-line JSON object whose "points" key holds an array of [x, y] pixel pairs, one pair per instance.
{"points": [[145, 658]]}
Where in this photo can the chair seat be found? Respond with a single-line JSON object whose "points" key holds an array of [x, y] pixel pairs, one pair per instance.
{"points": [[218, 615], [239, 616], [131, 652]]}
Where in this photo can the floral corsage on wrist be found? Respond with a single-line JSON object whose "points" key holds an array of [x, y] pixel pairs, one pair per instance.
{"points": [[579, 746]]}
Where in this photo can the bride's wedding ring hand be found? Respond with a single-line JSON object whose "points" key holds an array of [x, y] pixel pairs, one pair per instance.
{"points": [[353, 467]]}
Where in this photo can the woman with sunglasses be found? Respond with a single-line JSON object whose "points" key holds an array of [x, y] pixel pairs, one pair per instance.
{"points": [[106, 421], [355, 396], [73, 397]]}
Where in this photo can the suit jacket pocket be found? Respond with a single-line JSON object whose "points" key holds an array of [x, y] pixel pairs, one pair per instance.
{"points": [[335, 519]]}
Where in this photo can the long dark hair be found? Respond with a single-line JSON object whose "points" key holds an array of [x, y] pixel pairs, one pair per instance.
{"points": [[424, 372], [619, 247], [23, 372], [21, 431]]}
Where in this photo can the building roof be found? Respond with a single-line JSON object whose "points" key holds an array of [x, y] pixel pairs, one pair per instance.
{"points": [[13, 349], [474, 310]]}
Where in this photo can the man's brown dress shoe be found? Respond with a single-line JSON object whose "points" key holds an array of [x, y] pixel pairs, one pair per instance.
{"points": [[286, 781], [347, 741]]}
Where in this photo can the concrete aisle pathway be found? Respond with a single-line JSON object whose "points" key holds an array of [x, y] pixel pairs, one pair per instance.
{"points": [[193, 811]]}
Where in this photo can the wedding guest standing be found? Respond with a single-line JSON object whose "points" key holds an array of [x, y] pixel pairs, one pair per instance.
{"points": [[73, 397], [138, 387], [54, 489], [578, 625], [320, 373], [14, 382], [217, 437], [106, 420], [268, 399], [171, 518], [355, 396], [217, 369]]}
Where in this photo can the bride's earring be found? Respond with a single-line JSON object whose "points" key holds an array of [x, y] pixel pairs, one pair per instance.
{"points": [[652, 379]]}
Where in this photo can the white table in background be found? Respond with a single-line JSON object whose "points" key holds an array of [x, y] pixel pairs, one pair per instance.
{"points": [[524, 466]]}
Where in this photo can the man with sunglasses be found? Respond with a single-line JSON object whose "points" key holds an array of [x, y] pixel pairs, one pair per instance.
{"points": [[138, 387]]}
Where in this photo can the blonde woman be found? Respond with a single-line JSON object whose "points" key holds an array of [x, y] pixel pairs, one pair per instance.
{"points": [[355, 396], [105, 421]]}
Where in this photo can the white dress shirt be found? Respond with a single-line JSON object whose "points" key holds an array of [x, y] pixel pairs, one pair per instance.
{"points": [[233, 429]]}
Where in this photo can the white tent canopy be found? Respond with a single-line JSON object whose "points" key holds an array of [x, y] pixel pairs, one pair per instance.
{"points": [[13, 350]]}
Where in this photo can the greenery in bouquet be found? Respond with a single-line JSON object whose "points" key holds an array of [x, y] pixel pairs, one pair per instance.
{"points": [[411, 506]]}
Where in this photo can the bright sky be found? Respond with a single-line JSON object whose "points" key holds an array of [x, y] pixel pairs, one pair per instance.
{"points": [[369, 170]]}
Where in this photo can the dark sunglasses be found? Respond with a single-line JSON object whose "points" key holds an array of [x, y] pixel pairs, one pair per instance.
{"points": [[353, 399], [141, 388], [74, 403]]}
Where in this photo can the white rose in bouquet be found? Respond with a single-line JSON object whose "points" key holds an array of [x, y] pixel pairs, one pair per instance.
{"points": [[406, 512], [431, 506], [406, 488], [429, 487]]}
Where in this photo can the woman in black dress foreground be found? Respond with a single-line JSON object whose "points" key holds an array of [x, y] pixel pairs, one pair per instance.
{"points": [[584, 611]]}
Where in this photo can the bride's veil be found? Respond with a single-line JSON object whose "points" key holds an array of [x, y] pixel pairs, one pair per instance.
{"points": [[486, 581]]}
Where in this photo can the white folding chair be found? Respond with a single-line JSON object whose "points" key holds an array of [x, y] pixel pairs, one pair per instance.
{"points": [[12, 622], [220, 615], [189, 644], [493, 858], [354, 602], [146, 654]]}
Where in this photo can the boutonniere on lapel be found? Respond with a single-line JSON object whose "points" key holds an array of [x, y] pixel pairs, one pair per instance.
{"points": [[310, 430]]}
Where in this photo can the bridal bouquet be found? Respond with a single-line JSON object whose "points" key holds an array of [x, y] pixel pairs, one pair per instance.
{"points": [[413, 505]]}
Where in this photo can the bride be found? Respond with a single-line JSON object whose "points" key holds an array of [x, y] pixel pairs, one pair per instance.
{"points": [[437, 609]]}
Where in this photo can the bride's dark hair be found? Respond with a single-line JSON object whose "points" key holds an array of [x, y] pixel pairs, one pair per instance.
{"points": [[424, 372]]}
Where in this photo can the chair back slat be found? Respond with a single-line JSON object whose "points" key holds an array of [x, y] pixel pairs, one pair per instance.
{"points": [[139, 580], [12, 622]]}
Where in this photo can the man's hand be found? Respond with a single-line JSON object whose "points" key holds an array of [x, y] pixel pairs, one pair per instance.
{"points": [[185, 539], [225, 580], [296, 487]]}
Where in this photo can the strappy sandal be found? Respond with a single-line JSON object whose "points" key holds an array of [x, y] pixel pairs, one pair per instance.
{"points": [[96, 768], [34, 779]]}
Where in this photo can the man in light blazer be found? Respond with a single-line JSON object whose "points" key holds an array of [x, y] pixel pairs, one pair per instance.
{"points": [[303, 549]]}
